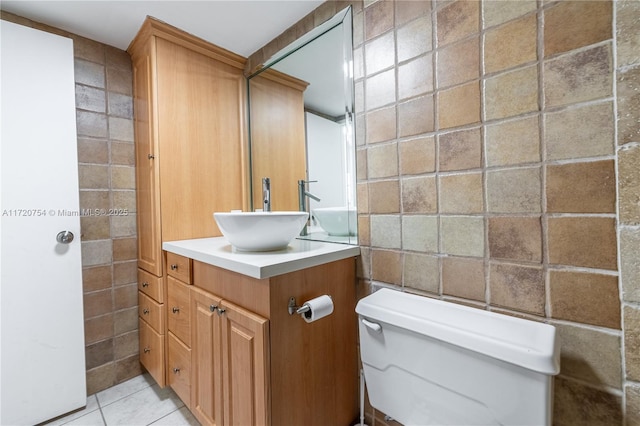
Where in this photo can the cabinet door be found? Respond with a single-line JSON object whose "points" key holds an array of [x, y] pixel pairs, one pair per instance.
{"points": [[245, 341], [179, 373], [178, 307], [152, 351], [151, 311], [150, 285], [200, 140], [206, 365], [147, 174]]}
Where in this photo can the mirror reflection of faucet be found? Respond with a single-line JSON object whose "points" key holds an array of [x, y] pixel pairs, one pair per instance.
{"points": [[266, 194], [302, 200]]}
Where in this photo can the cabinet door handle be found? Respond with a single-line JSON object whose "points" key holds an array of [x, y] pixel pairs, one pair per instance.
{"points": [[213, 308], [221, 311], [145, 311], [175, 309], [176, 370], [151, 156], [145, 284], [174, 267], [147, 350]]}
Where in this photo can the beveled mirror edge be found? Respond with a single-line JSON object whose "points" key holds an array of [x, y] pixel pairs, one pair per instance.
{"points": [[316, 32]]}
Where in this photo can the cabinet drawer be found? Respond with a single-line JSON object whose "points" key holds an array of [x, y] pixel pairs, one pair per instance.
{"points": [[178, 310], [152, 351], [179, 373], [179, 267], [151, 311], [150, 285]]}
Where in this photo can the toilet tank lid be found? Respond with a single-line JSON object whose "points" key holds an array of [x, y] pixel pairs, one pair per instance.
{"points": [[525, 343]]}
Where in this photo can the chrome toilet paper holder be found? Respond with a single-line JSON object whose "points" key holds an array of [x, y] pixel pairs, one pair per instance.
{"points": [[293, 307]]}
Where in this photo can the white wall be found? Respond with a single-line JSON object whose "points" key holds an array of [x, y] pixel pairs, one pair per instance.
{"points": [[326, 162]]}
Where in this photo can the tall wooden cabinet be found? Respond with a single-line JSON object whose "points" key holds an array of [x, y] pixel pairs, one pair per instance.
{"points": [[189, 107]]}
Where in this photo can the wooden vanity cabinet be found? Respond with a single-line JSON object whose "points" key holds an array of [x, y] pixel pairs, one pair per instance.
{"points": [[254, 364], [189, 101], [237, 357]]}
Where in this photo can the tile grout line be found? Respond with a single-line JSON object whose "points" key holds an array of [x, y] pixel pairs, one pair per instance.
{"points": [[104, 420], [616, 148], [544, 216]]}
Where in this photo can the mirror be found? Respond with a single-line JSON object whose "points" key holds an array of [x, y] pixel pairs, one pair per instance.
{"points": [[301, 130]]}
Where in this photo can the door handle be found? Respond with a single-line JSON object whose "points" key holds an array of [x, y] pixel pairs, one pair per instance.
{"points": [[64, 237]]}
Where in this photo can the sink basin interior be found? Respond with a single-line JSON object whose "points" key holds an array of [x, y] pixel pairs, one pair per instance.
{"points": [[260, 231], [339, 221]]}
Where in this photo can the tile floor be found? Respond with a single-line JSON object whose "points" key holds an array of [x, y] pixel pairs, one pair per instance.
{"points": [[136, 402]]}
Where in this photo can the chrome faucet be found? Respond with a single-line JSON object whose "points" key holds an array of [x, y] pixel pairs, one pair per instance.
{"points": [[302, 201], [266, 194]]}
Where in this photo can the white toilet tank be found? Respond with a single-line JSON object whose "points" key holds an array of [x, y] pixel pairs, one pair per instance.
{"points": [[429, 362]]}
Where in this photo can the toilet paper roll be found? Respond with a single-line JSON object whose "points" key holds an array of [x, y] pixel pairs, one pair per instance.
{"points": [[319, 307]]}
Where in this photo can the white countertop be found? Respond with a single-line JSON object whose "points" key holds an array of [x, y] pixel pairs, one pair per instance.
{"points": [[300, 254]]}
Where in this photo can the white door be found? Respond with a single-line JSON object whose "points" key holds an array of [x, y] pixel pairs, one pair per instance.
{"points": [[42, 365]]}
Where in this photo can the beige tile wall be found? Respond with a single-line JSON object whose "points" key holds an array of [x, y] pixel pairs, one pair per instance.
{"points": [[492, 138], [104, 112], [107, 181]]}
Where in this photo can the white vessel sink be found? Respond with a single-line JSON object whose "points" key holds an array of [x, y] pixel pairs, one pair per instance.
{"points": [[260, 231], [338, 221]]}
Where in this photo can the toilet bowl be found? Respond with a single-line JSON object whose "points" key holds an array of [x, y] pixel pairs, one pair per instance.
{"points": [[430, 362]]}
